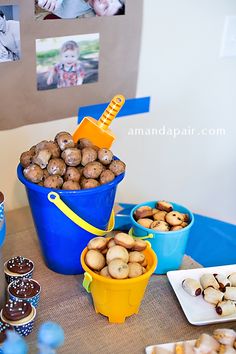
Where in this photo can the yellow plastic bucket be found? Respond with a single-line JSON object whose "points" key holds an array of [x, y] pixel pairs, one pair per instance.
{"points": [[118, 299]]}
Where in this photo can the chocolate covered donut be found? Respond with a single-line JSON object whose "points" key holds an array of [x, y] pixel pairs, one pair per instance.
{"points": [[19, 265], [24, 288], [15, 311]]}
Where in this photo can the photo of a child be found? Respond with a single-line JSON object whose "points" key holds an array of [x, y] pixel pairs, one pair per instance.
{"points": [[70, 9], [67, 61], [69, 71]]}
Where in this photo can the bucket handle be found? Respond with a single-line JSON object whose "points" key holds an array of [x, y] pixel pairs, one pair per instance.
{"points": [[87, 282], [140, 237], [54, 198]]}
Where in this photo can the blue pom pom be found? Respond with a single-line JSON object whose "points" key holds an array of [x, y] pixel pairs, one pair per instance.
{"points": [[51, 334], [14, 344]]}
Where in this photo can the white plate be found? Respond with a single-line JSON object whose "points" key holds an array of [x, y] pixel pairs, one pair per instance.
{"points": [[167, 346], [196, 309]]}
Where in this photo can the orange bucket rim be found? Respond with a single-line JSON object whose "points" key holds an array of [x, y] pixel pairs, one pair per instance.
{"points": [[121, 281]]}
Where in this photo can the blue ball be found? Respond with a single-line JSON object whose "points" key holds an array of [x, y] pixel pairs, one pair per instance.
{"points": [[51, 334], [14, 344]]}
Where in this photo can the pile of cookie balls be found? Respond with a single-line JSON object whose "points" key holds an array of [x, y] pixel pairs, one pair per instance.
{"points": [[161, 218], [62, 164], [120, 257]]}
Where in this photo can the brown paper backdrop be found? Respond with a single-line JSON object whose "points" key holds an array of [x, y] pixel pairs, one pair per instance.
{"points": [[120, 37]]}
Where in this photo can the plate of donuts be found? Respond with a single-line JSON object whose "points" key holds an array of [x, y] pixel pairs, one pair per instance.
{"points": [[206, 295]]}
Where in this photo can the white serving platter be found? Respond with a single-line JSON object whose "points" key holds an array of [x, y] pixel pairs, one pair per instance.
{"points": [[168, 346], [196, 309]]}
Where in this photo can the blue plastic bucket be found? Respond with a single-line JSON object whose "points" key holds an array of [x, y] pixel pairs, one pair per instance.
{"points": [[169, 246], [61, 240]]}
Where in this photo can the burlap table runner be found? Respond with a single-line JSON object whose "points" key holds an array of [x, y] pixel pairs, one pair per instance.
{"points": [[64, 300]]}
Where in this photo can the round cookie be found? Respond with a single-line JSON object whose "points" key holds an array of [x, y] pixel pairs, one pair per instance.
{"points": [[139, 245], [184, 224], [124, 240], [185, 218], [174, 218], [163, 205], [143, 212], [105, 156], [176, 228], [144, 263], [95, 260], [104, 272], [145, 222], [136, 257], [104, 251], [111, 243], [117, 167], [135, 270], [160, 226], [117, 252], [97, 243], [160, 215], [64, 140], [118, 269]]}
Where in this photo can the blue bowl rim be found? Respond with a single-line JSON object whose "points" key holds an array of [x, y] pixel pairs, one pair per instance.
{"points": [[150, 231]]}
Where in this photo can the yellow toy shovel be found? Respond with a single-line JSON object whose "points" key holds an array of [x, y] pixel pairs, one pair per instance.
{"points": [[97, 130]]}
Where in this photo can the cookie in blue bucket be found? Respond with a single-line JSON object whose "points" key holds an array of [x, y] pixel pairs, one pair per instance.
{"points": [[166, 225], [25, 289], [4, 327], [19, 314], [18, 267]]}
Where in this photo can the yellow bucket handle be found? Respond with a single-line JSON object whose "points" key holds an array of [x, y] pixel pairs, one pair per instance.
{"points": [[54, 198], [87, 281]]}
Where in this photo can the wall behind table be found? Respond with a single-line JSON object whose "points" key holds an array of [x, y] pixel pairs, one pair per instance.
{"points": [[119, 44], [190, 85]]}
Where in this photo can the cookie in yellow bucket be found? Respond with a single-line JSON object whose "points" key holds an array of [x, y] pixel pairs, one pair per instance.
{"points": [[117, 275]]}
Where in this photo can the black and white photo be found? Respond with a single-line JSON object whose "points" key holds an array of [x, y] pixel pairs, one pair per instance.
{"points": [[9, 33]]}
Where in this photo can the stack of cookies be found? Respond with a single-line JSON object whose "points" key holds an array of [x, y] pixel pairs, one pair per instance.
{"points": [[23, 296], [120, 257], [161, 218]]}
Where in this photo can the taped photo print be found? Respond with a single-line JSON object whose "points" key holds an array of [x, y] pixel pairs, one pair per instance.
{"points": [[71, 9], [69, 61]]}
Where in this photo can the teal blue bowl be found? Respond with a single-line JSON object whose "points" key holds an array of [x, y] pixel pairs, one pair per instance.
{"points": [[169, 246]]}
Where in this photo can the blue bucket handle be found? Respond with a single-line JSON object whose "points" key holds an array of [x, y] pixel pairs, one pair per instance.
{"points": [[55, 198], [141, 237]]}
